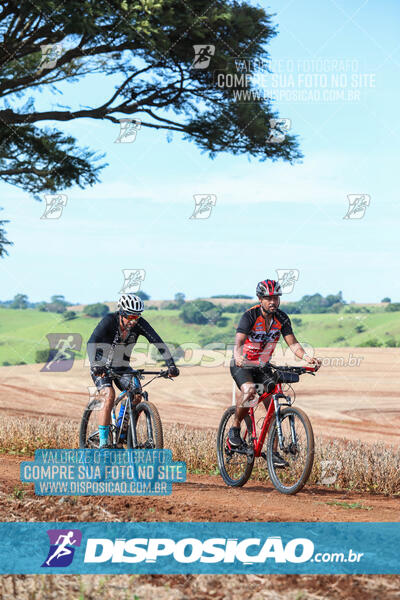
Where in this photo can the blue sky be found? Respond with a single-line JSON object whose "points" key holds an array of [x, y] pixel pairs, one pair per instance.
{"points": [[267, 216]]}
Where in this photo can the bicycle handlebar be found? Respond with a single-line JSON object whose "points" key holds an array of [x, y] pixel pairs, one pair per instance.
{"points": [[139, 372], [286, 368], [300, 370]]}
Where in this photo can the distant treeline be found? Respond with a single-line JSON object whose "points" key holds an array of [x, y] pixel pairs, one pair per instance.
{"points": [[233, 296], [201, 311], [333, 303]]}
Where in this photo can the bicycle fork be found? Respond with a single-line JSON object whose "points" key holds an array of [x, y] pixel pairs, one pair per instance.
{"points": [[276, 398]]}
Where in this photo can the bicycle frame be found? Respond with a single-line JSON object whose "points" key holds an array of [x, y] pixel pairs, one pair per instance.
{"points": [[128, 405], [271, 411]]}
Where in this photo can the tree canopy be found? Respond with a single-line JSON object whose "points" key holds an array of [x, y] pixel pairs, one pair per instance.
{"points": [[147, 48]]}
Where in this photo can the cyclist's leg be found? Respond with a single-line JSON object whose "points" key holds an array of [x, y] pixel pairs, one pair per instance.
{"points": [[107, 394], [124, 380], [244, 380]]}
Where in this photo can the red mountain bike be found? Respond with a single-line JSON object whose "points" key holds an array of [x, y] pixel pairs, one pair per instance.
{"points": [[289, 433]]}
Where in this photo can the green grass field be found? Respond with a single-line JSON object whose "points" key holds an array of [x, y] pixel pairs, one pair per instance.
{"points": [[22, 332]]}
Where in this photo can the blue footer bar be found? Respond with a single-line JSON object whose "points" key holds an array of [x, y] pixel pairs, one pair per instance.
{"points": [[285, 548]]}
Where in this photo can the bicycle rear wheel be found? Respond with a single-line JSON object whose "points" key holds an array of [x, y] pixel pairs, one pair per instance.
{"points": [[89, 429], [145, 429], [297, 451], [235, 467]]}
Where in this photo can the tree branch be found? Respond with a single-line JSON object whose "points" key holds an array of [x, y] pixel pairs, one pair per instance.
{"points": [[27, 169]]}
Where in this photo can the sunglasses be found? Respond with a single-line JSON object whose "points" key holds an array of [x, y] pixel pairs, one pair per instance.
{"points": [[131, 317]]}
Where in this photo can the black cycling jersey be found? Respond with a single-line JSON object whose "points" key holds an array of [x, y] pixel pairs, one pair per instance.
{"points": [[106, 348]]}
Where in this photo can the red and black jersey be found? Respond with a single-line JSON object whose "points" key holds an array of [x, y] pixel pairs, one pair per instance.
{"points": [[260, 342]]}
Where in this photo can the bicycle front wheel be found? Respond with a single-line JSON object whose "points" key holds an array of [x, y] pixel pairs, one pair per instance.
{"points": [[297, 451], [235, 465], [89, 429], [145, 429]]}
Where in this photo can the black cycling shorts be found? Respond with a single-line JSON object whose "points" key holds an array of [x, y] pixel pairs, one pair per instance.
{"points": [[243, 375], [121, 382]]}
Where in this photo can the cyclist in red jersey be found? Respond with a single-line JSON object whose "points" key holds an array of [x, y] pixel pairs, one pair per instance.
{"points": [[257, 334]]}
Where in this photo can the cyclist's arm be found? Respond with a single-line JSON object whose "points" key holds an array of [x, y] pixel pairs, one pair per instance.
{"points": [[238, 348], [298, 349], [242, 331], [145, 329], [100, 341]]}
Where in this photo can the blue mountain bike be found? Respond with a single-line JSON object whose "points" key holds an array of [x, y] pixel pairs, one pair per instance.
{"points": [[138, 423]]}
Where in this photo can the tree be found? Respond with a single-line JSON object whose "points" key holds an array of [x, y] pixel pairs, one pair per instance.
{"points": [[20, 301], [179, 299], [191, 314], [233, 296], [69, 315], [147, 48], [292, 308], [59, 299], [393, 307], [142, 295], [386, 299], [57, 304], [203, 312], [3, 240], [237, 307], [96, 310]]}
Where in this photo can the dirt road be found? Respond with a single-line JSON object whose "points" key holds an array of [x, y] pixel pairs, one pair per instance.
{"points": [[199, 499]]}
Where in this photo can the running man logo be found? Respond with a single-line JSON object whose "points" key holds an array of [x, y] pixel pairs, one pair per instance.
{"points": [[50, 55], [203, 205], [358, 204], [202, 55], [278, 130], [61, 551], [287, 278], [62, 351], [96, 400], [128, 131], [132, 280], [55, 204]]}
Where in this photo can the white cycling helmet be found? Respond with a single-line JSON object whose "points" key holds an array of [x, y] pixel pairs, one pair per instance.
{"points": [[129, 304]]}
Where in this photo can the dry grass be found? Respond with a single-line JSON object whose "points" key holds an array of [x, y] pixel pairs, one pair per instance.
{"points": [[25, 435], [358, 466]]}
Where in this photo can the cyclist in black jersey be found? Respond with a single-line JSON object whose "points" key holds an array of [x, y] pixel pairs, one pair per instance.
{"points": [[111, 345], [257, 334]]}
